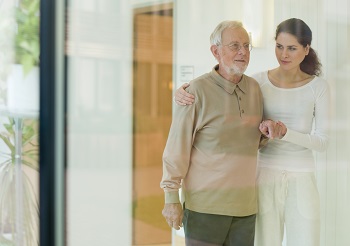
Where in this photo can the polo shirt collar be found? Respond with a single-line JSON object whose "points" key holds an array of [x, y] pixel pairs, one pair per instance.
{"points": [[228, 86]]}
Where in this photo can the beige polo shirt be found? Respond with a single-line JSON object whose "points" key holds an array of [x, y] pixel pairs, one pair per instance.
{"points": [[211, 151]]}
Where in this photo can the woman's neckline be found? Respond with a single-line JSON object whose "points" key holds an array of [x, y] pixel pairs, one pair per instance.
{"points": [[296, 85]]}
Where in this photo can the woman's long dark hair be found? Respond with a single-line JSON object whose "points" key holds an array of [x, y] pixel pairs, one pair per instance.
{"points": [[298, 28]]}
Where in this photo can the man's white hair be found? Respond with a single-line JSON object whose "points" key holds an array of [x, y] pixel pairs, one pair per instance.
{"points": [[216, 36]]}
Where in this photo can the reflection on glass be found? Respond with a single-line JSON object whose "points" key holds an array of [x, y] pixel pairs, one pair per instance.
{"points": [[121, 66], [99, 126], [19, 107], [153, 34]]}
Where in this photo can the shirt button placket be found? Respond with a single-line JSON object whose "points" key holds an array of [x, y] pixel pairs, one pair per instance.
{"points": [[237, 91]]}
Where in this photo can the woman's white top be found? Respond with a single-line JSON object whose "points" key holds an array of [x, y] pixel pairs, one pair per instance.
{"points": [[305, 111]]}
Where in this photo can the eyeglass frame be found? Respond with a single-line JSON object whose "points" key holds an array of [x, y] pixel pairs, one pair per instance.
{"points": [[247, 47]]}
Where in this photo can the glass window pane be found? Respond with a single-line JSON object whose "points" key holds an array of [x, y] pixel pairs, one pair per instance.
{"points": [[126, 58], [19, 110], [99, 123]]}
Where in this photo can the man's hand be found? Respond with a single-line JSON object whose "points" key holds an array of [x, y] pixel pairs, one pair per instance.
{"points": [[173, 214]]}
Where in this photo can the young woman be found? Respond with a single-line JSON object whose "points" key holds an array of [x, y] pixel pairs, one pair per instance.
{"points": [[297, 100]]}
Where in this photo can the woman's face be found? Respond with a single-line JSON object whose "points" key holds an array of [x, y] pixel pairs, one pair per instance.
{"points": [[289, 52]]}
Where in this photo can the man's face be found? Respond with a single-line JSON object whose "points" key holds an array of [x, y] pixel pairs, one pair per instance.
{"points": [[234, 54]]}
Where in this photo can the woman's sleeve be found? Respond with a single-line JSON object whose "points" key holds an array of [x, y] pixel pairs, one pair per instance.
{"points": [[318, 139]]}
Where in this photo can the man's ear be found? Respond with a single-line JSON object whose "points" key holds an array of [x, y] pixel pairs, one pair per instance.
{"points": [[215, 51]]}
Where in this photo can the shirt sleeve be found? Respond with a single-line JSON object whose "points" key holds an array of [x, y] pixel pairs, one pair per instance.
{"points": [[177, 152], [318, 139]]}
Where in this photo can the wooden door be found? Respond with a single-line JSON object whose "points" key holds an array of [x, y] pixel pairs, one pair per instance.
{"points": [[152, 109]]}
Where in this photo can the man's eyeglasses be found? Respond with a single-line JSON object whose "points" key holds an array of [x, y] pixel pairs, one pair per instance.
{"points": [[236, 46]]}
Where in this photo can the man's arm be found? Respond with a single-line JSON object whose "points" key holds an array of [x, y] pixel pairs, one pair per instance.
{"points": [[176, 161]]}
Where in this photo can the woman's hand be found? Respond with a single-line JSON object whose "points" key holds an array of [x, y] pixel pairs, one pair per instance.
{"points": [[182, 97], [282, 129], [272, 129]]}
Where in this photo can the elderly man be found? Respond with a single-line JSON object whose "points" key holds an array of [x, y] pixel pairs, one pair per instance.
{"points": [[212, 148]]}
